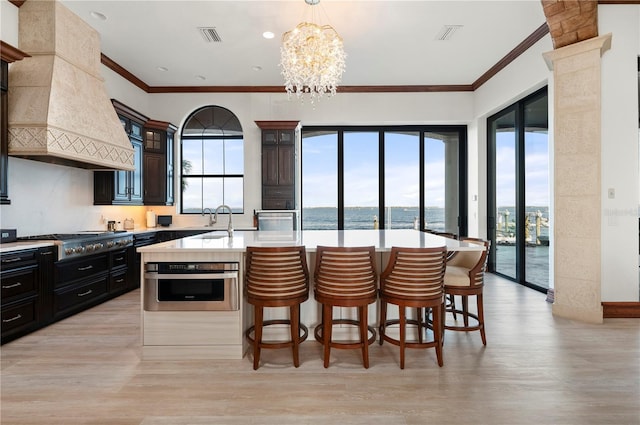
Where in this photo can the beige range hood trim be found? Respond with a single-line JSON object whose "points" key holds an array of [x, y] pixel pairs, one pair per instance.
{"points": [[59, 110]]}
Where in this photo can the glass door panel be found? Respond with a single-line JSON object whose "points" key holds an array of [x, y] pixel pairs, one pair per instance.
{"points": [[537, 196], [361, 176], [320, 177], [505, 194], [441, 188], [519, 193], [401, 180]]}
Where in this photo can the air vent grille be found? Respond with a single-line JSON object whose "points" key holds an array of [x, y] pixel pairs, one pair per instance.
{"points": [[210, 34], [447, 32]]}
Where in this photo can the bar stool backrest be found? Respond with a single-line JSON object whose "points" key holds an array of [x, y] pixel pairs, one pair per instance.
{"points": [[346, 272], [276, 273], [414, 273]]}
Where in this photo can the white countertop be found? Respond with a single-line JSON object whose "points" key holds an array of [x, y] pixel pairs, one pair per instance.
{"points": [[383, 240], [17, 246]]}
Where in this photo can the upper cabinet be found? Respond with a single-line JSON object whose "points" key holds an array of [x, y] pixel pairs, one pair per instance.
{"points": [[8, 54], [123, 187], [4, 135], [151, 182], [280, 141], [158, 163]]}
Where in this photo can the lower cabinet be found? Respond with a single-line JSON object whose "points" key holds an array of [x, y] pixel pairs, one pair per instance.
{"points": [[25, 277], [37, 290], [80, 295], [80, 284]]}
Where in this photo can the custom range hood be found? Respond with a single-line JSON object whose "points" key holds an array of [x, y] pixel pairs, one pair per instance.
{"points": [[59, 110]]}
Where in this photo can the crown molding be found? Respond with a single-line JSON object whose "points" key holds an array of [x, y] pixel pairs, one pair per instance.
{"points": [[9, 54]]}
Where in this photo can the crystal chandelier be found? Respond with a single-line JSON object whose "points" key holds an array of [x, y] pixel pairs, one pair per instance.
{"points": [[312, 59]]}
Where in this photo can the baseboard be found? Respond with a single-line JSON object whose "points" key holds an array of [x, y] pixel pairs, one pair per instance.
{"points": [[618, 310]]}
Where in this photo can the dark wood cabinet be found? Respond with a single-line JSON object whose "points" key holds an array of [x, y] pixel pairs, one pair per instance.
{"points": [[120, 262], [4, 134], [8, 54], [278, 164], [26, 279], [80, 284], [158, 163], [124, 187]]}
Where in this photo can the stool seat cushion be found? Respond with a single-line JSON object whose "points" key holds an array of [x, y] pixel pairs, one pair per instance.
{"points": [[456, 276]]}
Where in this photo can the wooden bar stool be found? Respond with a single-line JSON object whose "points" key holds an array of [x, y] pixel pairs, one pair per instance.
{"points": [[345, 277], [464, 277], [414, 278], [276, 277]]}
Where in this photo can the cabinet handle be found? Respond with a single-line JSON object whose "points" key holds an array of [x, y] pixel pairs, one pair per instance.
{"points": [[47, 253], [120, 280], [12, 260], [119, 259], [81, 269], [15, 285], [85, 293], [19, 316]]}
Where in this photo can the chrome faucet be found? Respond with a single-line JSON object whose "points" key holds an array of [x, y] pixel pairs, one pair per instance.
{"points": [[211, 221], [230, 226]]}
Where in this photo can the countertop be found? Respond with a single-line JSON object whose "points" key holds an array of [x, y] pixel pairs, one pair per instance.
{"points": [[382, 240], [20, 245], [17, 246]]}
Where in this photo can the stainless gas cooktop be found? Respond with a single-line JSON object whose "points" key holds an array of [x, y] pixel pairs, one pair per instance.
{"points": [[79, 244]]}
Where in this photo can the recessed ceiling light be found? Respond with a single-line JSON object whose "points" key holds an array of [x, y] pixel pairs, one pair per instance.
{"points": [[98, 15], [257, 68], [201, 77], [268, 35], [163, 69]]}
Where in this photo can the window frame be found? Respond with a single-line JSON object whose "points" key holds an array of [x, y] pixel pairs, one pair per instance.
{"points": [[203, 138], [422, 130]]}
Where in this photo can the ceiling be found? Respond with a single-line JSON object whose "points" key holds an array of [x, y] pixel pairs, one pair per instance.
{"points": [[388, 43]]}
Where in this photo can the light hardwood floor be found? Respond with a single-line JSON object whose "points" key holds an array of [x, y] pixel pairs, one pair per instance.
{"points": [[536, 369]]}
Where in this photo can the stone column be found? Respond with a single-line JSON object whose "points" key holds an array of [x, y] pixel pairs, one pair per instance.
{"points": [[577, 187]]}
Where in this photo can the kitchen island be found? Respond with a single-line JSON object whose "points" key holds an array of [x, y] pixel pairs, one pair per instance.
{"points": [[220, 334]]}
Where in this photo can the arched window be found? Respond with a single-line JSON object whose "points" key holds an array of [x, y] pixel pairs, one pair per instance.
{"points": [[212, 152]]}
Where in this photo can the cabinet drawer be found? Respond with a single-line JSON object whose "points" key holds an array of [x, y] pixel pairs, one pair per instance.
{"points": [[18, 315], [19, 282], [276, 204], [279, 192], [118, 281], [69, 271], [80, 294], [17, 259], [119, 259]]}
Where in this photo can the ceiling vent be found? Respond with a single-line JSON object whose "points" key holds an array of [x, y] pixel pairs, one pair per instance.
{"points": [[447, 32], [210, 34]]}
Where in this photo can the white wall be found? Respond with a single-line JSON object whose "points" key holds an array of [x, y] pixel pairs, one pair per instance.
{"points": [[620, 152], [8, 23]]}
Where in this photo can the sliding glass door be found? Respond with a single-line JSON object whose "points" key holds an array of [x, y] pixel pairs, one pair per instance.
{"points": [[384, 177], [519, 191]]}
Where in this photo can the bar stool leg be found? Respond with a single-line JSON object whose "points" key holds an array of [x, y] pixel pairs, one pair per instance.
{"points": [[437, 332], [327, 319], [403, 333], [465, 310], [383, 319], [257, 336], [294, 314], [481, 318], [364, 335], [419, 320]]}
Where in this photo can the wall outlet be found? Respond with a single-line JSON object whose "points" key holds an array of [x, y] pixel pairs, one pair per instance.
{"points": [[611, 193]]}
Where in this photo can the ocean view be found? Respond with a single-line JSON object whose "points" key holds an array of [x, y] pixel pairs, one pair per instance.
{"points": [[324, 218]]}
